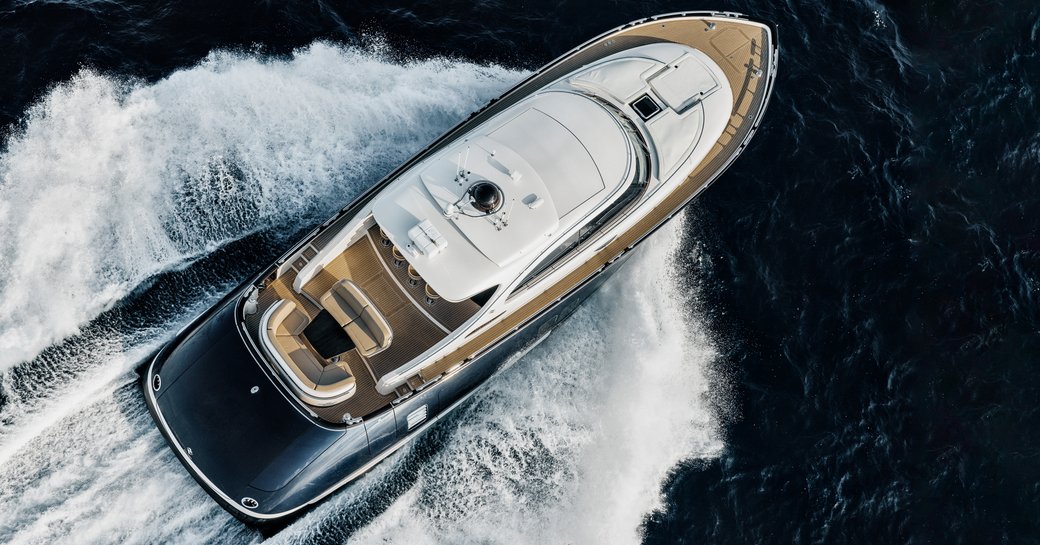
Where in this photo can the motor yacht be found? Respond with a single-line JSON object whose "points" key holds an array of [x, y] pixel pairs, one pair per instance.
{"points": [[393, 311]]}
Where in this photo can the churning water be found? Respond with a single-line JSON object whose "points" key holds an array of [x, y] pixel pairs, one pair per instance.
{"points": [[838, 344], [128, 207]]}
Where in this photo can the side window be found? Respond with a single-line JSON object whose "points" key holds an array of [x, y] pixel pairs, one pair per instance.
{"points": [[554, 256], [584, 233]]}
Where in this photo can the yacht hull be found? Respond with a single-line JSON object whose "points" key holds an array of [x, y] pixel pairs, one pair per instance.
{"points": [[269, 459], [331, 458]]}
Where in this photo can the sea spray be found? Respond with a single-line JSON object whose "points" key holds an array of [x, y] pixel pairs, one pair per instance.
{"points": [[110, 184], [111, 181]]}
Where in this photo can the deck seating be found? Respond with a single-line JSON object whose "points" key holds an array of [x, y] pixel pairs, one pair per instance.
{"points": [[355, 313], [325, 384]]}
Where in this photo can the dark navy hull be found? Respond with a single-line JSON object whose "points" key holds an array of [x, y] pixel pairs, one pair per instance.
{"points": [[249, 440]]}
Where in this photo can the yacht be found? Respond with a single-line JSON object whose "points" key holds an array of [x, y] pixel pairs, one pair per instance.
{"points": [[388, 315]]}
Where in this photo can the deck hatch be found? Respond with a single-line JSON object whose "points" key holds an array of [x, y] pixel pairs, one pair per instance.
{"points": [[646, 107], [685, 83]]}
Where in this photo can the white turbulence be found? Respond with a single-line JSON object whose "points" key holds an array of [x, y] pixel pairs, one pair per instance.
{"points": [[572, 444], [108, 182], [106, 476]]}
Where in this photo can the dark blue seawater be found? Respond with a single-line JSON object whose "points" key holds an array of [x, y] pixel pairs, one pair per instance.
{"points": [[858, 296]]}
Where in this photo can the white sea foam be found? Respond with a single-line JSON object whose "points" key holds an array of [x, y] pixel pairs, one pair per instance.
{"points": [[106, 476], [111, 182], [569, 446], [573, 444], [25, 419]]}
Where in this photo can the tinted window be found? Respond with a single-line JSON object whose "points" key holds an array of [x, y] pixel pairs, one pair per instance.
{"points": [[584, 233]]}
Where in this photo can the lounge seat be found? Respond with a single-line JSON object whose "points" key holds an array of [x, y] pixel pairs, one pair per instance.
{"points": [[323, 384], [355, 313]]}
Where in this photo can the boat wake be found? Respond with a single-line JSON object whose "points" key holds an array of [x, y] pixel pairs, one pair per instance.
{"points": [[127, 207], [110, 181]]}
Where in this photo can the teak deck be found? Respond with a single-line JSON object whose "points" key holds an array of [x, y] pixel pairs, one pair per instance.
{"points": [[744, 52], [420, 325]]}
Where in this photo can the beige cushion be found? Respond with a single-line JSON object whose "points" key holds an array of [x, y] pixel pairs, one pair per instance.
{"points": [[287, 320], [362, 338], [295, 323], [336, 378], [355, 312], [284, 328], [307, 366], [354, 295], [341, 303], [377, 326]]}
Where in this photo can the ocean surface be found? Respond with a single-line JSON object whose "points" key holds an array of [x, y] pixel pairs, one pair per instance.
{"points": [[839, 342]]}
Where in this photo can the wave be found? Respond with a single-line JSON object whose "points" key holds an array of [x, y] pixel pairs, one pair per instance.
{"points": [[109, 182], [105, 475]]}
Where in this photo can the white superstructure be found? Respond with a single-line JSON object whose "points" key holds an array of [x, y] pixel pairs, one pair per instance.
{"points": [[557, 157], [603, 141]]}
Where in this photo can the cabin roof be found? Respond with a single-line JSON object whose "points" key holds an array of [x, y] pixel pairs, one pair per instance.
{"points": [[556, 159]]}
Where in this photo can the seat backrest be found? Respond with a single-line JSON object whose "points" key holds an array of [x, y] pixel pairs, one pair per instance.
{"points": [[294, 323], [377, 326], [353, 295], [336, 305], [308, 365], [287, 320], [334, 376]]}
